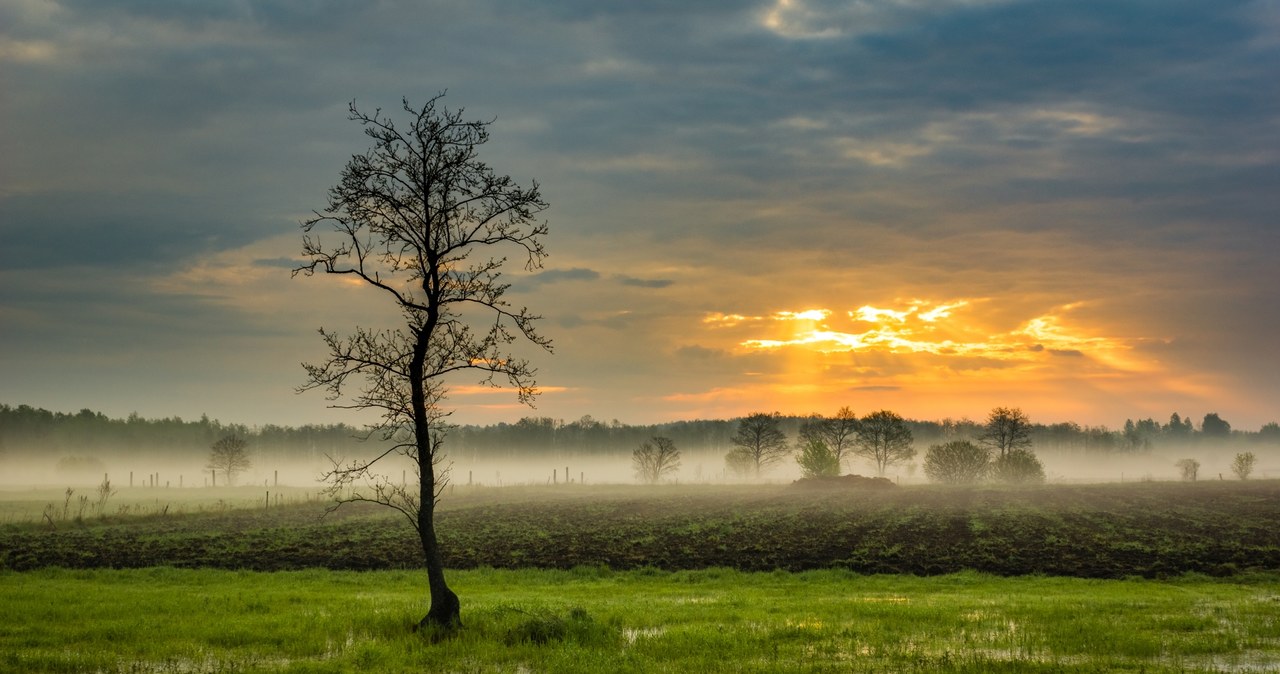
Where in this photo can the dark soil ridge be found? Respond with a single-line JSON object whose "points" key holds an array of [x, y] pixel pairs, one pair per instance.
{"points": [[1097, 531]]}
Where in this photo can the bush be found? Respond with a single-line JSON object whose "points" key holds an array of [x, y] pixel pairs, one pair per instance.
{"points": [[817, 460], [956, 462], [1190, 469], [1019, 466], [1242, 466]]}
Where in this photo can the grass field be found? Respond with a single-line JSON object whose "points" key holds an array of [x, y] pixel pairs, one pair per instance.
{"points": [[595, 620], [694, 578]]}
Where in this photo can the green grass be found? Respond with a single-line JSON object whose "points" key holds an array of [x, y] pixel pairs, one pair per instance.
{"points": [[594, 620]]}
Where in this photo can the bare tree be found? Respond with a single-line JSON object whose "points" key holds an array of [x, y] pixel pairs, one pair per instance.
{"points": [[1006, 429], [1190, 469], [419, 219], [230, 455], [839, 433], [884, 439], [757, 443], [654, 459]]}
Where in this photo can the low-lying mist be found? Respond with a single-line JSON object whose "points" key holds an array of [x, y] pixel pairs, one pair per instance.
{"points": [[125, 469]]}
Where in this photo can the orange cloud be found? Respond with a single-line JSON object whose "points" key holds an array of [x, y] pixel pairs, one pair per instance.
{"points": [[929, 357]]}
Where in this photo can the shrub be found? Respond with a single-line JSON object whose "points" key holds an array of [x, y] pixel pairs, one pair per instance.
{"points": [[817, 460], [956, 462], [1242, 466], [1019, 466], [1190, 469]]}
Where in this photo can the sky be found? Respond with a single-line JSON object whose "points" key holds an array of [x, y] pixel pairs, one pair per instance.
{"points": [[929, 206]]}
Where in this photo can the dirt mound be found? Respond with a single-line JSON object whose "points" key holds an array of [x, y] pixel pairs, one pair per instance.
{"points": [[845, 482]]}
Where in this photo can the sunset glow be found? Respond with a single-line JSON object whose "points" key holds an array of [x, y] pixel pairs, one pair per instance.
{"points": [[930, 207]]}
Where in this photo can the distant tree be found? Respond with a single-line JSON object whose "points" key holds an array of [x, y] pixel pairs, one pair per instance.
{"points": [[884, 439], [80, 466], [1215, 426], [817, 460], [654, 459], [1140, 436], [230, 456], [956, 462], [1178, 428], [1005, 430], [1190, 469], [838, 433], [1269, 432], [1242, 466], [1019, 466], [421, 222], [758, 443]]}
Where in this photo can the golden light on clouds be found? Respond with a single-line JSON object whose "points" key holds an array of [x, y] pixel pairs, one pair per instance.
{"points": [[925, 353], [941, 328]]}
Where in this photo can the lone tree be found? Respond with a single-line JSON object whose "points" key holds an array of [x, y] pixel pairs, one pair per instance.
{"points": [[654, 459], [419, 219], [956, 462], [838, 433], [229, 455], [884, 439], [757, 444], [1006, 429]]}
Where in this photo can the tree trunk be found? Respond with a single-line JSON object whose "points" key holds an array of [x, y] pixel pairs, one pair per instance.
{"points": [[445, 608]]}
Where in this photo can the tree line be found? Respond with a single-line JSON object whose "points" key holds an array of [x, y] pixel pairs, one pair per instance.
{"points": [[29, 430], [999, 449]]}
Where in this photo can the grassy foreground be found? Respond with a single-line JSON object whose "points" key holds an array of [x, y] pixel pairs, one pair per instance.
{"points": [[595, 620]]}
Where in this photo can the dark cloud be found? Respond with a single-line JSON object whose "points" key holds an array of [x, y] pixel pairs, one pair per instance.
{"points": [[561, 275], [1114, 149], [56, 229], [643, 283]]}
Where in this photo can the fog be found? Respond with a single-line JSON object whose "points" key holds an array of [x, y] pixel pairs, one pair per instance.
{"points": [[71, 468]]}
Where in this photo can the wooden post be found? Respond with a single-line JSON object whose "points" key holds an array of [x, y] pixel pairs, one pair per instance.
{"points": [[553, 476], [566, 475], [213, 474], [468, 478], [581, 479], [268, 506], [130, 478], [275, 480]]}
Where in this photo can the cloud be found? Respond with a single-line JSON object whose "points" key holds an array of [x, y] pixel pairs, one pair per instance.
{"points": [[561, 275], [643, 283], [699, 158]]}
